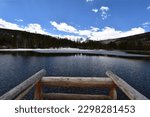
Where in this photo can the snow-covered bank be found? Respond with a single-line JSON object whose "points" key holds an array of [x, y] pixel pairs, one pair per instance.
{"points": [[79, 51]]}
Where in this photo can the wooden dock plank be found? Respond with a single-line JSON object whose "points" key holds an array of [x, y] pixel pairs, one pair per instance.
{"points": [[63, 96]]}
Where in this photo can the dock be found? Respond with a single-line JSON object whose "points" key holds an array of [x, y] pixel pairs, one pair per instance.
{"points": [[39, 80]]}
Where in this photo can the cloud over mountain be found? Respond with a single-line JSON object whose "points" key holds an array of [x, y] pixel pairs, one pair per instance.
{"points": [[97, 34]]}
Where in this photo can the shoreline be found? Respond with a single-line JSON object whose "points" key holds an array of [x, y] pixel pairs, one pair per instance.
{"points": [[74, 51]]}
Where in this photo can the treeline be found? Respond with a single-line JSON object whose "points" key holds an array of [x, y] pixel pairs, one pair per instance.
{"points": [[136, 42], [22, 39]]}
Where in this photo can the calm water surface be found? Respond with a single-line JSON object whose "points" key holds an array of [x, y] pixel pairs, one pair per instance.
{"points": [[16, 68]]}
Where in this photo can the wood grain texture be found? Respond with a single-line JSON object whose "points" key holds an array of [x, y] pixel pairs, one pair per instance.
{"points": [[132, 93], [78, 82], [63, 96]]}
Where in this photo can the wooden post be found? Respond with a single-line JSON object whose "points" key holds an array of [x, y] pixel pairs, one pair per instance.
{"points": [[126, 88], [113, 93], [38, 91]]}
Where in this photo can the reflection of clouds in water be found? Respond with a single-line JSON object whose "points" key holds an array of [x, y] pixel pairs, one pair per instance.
{"points": [[78, 51]]}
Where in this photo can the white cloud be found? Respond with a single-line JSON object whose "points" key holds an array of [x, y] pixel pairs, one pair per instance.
{"points": [[148, 8], [104, 12], [89, 0], [88, 32], [106, 33], [8, 25], [19, 20], [93, 33], [34, 28], [104, 8], [63, 27], [94, 28], [111, 33], [146, 24], [69, 29], [85, 32], [95, 10], [133, 31]]}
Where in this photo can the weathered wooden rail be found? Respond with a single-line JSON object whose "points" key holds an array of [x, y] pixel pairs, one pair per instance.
{"points": [[38, 81]]}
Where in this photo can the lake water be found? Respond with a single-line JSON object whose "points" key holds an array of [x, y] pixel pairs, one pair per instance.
{"points": [[15, 68]]}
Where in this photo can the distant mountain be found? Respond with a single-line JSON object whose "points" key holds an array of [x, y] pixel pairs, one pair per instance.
{"points": [[22, 39], [136, 42]]}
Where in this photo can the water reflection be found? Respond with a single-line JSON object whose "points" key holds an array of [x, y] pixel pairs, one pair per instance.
{"points": [[16, 68]]}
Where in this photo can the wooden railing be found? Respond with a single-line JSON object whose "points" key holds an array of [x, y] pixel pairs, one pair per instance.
{"points": [[78, 82], [132, 93], [22, 89], [39, 81]]}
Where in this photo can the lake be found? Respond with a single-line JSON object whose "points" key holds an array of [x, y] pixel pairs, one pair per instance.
{"points": [[15, 67]]}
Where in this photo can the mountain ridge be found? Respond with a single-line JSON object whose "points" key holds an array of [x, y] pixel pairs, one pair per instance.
{"points": [[22, 39]]}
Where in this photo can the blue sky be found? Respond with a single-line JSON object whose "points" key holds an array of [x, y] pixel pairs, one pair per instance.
{"points": [[93, 19]]}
